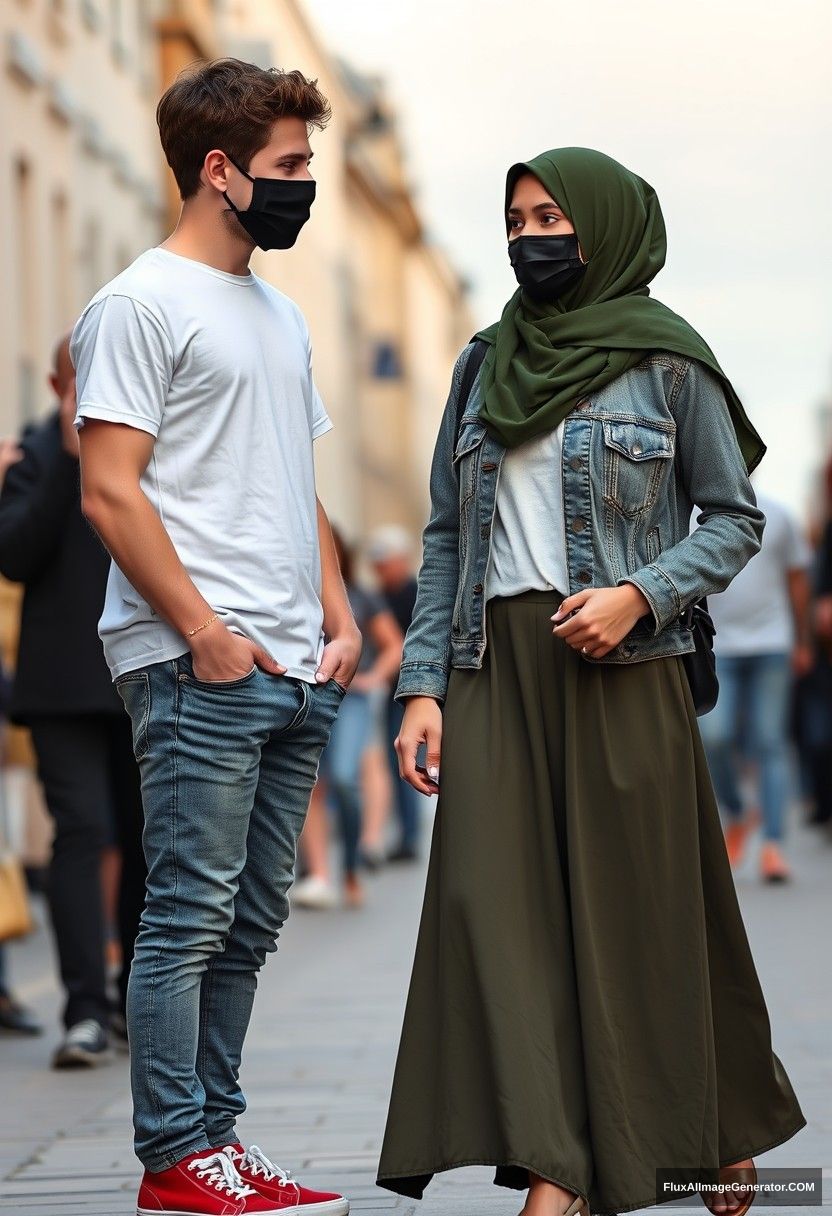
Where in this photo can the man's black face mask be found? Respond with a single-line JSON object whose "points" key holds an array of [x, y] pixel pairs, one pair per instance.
{"points": [[278, 210], [546, 265]]}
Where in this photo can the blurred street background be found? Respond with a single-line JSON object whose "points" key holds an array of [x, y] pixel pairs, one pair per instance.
{"points": [[725, 108]]}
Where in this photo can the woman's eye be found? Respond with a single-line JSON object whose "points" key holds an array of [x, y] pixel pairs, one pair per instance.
{"points": [[551, 217], [515, 224]]}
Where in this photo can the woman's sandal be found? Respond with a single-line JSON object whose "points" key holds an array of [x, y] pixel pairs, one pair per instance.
{"points": [[578, 1207], [747, 1175]]}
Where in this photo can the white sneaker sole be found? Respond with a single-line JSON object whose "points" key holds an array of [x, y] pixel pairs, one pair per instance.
{"points": [[335, 1207]]}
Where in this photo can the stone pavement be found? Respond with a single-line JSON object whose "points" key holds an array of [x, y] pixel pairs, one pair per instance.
{"points": [[319, 1058]]}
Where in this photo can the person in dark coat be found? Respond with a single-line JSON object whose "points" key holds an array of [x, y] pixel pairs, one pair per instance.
{"points": [[63, 693], [15, 1018]]}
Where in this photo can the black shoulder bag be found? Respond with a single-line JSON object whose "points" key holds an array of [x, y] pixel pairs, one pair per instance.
{"points": [[700, 664]]}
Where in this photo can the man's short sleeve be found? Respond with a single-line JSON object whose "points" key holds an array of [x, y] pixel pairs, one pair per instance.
{"points": [[123, 364], [321, 421]]}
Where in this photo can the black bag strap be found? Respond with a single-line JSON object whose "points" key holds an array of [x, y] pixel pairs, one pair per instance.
{"points": [[469, 376]]}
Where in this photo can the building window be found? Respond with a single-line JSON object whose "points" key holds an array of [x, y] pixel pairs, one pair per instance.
{"points": [[91, 258], [386, 361], [62, 295], [25, 287], [117, 43]]}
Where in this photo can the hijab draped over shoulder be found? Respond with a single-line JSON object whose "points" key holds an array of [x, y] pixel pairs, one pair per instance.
{"points": [[545, 357]]}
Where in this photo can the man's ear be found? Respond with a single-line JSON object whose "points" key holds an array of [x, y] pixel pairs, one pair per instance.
{"points": [[215, 169]]}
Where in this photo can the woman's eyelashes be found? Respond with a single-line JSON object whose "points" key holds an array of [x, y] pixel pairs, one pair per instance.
{"points": [[544, 221]]}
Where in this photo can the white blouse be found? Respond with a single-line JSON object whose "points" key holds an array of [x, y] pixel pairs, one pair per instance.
{"points": [[528, 537]]}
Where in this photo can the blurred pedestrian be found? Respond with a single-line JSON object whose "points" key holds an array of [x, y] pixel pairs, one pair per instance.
{"points": [[197, 414], [584, 1006], [341, 759], [63, 693], [15, 1017], [816, 699], [762, 643], [390, 551]]}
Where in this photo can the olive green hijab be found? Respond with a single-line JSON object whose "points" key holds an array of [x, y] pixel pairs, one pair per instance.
{"points": [[545, 357]]}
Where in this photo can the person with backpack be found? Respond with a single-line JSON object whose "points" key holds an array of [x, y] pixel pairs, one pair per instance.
{"points": [[226, 624], [583, 1008]]}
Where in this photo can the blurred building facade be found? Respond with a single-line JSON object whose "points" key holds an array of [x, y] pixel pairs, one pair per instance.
{"points": [[84, 189]]}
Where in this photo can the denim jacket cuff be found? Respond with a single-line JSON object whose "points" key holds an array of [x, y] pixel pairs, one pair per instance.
{"points": [[422, 679], [660, 593]]}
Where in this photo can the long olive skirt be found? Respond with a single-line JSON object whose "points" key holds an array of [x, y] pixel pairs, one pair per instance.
{"points": [[583, 1002]]}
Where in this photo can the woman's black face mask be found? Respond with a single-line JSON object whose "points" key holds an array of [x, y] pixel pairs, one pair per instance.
{"points": [[278, 209], [546, 265]]}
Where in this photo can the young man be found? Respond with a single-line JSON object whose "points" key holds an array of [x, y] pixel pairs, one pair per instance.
{"points": [[197, 411]]}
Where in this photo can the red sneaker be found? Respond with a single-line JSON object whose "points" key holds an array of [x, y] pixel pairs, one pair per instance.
{"points": [[278, 1187], [202, 1184]]}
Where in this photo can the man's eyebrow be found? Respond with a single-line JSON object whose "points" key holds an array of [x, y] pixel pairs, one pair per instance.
{"points": [[307, 156]]}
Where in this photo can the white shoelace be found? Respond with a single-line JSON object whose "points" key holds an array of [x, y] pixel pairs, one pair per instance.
{"points": [[256, 1161], [220, 1172]]}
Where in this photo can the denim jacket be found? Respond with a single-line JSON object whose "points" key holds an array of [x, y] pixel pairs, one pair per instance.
{"points": [[636, 456]]}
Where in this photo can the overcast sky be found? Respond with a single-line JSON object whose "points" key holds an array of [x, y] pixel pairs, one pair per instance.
{"points": [[722, 105]]}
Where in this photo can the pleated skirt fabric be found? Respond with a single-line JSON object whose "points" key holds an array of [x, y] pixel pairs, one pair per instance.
{"points": [[583, 1001]]}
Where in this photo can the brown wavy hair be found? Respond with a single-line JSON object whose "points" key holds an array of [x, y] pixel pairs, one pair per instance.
{"points": [[231, 105]]}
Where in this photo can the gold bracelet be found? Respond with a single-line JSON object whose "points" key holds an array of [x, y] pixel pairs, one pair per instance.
{"points": [[204, 625]]}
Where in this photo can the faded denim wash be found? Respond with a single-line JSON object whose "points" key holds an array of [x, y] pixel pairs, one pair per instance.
{"points": [[227, 769], [637, 456]]}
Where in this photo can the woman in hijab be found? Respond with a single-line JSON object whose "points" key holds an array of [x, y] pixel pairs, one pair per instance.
{"points": [[584, 1009]]}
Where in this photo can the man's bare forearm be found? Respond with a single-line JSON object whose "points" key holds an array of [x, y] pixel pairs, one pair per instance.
{"points": [[338, 617], [139, 544], [800, 596]]}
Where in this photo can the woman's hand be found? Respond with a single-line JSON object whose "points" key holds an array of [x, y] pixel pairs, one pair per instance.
{"points": [[422, 723], [607, 614]]}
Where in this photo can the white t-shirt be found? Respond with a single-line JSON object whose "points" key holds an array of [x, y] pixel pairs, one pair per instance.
{"points": [[217, 367], [753, 615], [528, 537]]}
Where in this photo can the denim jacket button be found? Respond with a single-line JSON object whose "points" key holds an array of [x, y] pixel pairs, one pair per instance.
{"points": [[584, 576], [636, 449], [576, 463], [578, 524], [478, 589]]}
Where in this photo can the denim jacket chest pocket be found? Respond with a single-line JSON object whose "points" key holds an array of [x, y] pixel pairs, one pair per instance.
{"points": [[638, 457]]}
